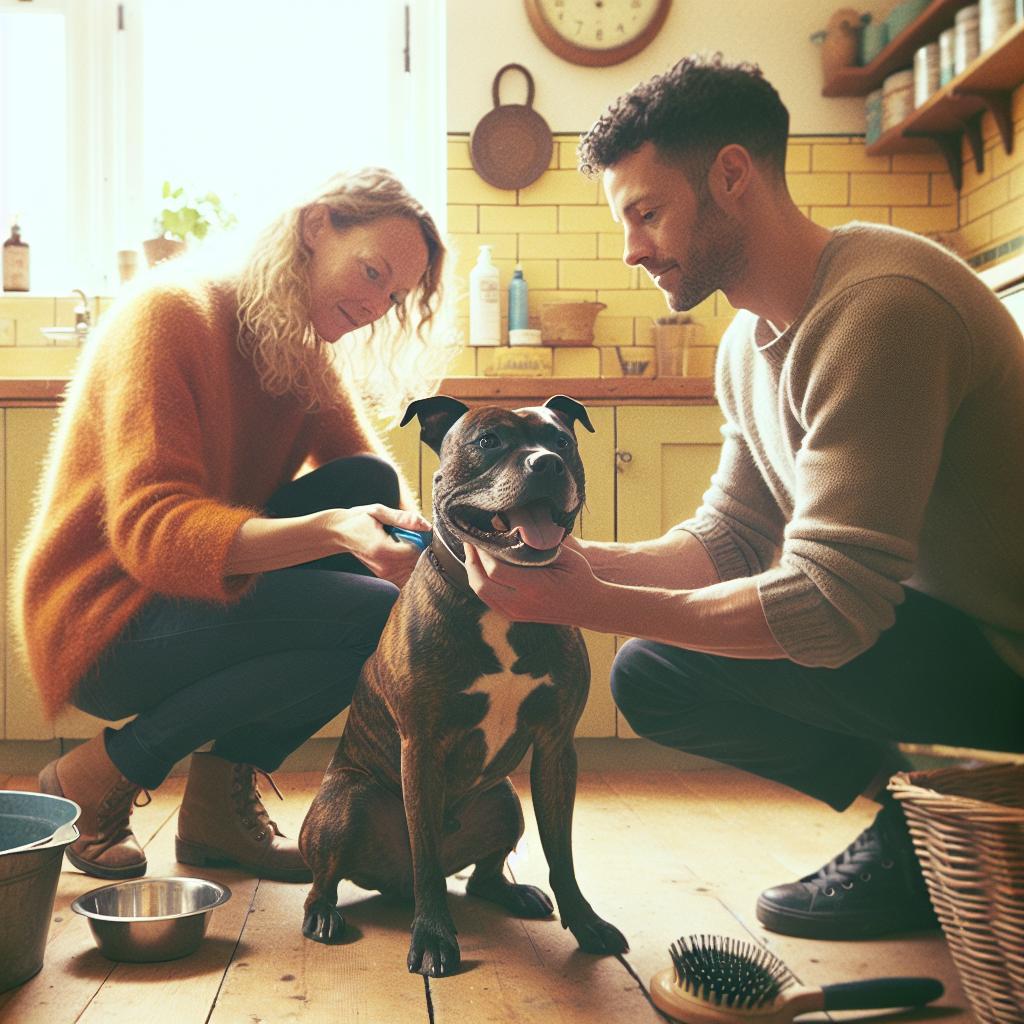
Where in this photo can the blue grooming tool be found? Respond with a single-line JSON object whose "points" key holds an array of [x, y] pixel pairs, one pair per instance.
{"points": [[418, 538]]}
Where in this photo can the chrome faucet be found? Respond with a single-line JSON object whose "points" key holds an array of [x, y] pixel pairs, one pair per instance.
{"points": [[83, 316]]}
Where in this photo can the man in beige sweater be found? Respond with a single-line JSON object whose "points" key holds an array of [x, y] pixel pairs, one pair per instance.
{"points": [[855, 575]]}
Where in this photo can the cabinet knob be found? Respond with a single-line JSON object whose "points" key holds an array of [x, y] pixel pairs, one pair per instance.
{"points": [[622, 459]]}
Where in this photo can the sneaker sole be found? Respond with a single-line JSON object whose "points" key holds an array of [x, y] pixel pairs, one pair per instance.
{"points": [[199, 856], [809, 925]]}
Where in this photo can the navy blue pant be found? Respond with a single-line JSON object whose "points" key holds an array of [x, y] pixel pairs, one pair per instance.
{"points": [[260, 676], [931, 678]]}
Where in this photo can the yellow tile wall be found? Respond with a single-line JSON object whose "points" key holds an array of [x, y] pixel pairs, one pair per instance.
{"points": [[571, 249], [560, 229], [991, 204]]}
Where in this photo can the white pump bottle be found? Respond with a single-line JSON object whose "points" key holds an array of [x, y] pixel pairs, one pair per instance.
{"points": [[484, 301]]}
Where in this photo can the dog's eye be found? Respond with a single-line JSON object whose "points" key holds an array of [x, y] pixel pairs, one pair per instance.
{"points": [[489, 441], [561, 441]]}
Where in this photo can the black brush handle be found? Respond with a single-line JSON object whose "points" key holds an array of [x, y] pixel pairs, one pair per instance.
{"points": [[879, 993]]}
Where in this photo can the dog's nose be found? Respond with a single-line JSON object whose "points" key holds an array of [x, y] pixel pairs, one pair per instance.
{"points": [[545, 462]]}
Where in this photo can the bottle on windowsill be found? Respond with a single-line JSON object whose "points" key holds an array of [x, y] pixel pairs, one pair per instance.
{"points": [[15, 262]]}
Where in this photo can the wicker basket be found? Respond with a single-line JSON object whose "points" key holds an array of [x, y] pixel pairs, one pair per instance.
{"points": [[569, 323], [968, 829]]}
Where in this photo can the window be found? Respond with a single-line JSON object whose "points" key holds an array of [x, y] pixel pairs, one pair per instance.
{"points": [[255, 100], [33, 123]]}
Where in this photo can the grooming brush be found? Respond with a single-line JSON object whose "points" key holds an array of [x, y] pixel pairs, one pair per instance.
{"points": [[714, 979], [418, 538]]}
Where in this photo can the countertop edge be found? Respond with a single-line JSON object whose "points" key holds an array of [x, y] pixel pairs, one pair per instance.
{"points": [[44, 391]]}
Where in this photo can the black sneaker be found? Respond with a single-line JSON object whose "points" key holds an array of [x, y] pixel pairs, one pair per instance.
{"points": [[873, 887]]}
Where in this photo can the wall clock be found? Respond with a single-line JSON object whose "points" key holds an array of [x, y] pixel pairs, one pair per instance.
{"points": [[596, 33]]}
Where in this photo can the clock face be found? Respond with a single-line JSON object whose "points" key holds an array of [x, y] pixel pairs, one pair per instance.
{"points": [[597, 32]]}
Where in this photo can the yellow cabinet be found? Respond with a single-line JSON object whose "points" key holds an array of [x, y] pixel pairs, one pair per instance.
{"points": [[26, 436], [664, 458], [647, 467]]}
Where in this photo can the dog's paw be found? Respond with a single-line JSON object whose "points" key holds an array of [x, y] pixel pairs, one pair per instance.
{"points": [[521, 900], [434, 950], [597, 936], [529, 901], [323, 923]]}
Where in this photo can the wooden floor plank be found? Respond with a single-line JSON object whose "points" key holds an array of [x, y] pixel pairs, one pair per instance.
{"points": [[72, 969], [529, 972], [280, 976], [806, 834], [605, 989], [657, 853], [753, 834], [634, 878]]}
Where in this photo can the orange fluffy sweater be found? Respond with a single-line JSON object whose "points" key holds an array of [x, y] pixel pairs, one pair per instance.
{"points": [[164, 446]]}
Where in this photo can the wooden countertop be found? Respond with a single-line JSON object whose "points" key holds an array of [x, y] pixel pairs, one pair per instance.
{"points": [[47, 391], [32, 391], [592, 390]]}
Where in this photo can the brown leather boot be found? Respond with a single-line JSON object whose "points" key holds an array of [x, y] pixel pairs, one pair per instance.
{"points": [[222, 821], [106, 847]]}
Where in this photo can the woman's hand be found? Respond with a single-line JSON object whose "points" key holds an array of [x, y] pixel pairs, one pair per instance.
{"points": [[360, 531]]}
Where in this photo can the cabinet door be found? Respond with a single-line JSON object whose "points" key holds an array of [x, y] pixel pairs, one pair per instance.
{"points": [[597, 522], [27, 436], [664, 459]]}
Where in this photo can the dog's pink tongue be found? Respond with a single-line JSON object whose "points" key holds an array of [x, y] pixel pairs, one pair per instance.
{"points": [[536, 526]]}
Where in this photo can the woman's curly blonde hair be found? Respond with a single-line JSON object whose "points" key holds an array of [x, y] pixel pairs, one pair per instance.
{"points": [[399, 358]]}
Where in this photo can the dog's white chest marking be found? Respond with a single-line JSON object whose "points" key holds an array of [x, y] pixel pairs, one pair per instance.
{"points": [[506, 690]]}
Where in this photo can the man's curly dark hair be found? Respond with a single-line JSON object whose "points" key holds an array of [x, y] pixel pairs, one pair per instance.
{"points": [[690, 112]]}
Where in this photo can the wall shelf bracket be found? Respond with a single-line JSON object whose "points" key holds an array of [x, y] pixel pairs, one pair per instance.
{"points": [[948, 144], [999, 103]]}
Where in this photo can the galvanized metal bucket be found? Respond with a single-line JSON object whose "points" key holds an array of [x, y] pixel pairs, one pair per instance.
{"points": [[34, 829]]}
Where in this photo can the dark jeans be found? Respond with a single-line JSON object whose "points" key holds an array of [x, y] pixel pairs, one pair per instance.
{"points": [[931, 678], [260, 676]]}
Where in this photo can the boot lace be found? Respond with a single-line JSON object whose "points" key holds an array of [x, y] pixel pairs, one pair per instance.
{"points": [[249, 803], [113, 816]]}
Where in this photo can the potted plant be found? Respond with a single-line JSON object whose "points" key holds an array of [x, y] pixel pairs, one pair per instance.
{"points": [[183, 215]]}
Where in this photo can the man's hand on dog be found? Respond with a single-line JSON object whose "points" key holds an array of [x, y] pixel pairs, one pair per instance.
{"points": [[536, 594]]}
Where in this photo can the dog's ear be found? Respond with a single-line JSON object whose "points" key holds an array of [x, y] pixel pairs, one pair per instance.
{"points": [[437, 415], [568, 410]]}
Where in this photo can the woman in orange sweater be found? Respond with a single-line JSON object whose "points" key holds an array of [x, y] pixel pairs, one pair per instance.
{"points": [[160, 575]]}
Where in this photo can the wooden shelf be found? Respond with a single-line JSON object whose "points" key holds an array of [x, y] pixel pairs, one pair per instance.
{"points": [[898, 53], [956, 109], [591, 390]]}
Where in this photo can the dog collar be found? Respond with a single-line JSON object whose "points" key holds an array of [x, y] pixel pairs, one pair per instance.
{"points": [[448, 566]]}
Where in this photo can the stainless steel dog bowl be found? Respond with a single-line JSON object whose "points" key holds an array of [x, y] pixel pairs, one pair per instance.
{"points": [[151, 919]]}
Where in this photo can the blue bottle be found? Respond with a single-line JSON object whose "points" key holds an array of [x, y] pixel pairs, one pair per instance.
{"points": [[518, 313]]}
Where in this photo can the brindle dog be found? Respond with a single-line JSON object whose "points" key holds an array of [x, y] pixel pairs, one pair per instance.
{"points": [[456, 694]]}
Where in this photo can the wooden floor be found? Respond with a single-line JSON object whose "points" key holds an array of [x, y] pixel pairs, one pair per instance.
{"points": [[657, 853]]}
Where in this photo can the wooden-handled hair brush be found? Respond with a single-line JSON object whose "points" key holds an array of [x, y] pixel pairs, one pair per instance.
{"points": [[714, 979]]}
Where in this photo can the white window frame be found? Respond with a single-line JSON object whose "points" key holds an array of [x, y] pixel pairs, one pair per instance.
{"points": [[105, 130]]}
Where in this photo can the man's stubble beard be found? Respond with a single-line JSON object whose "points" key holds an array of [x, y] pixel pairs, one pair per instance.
{"points": [[714, 261]]}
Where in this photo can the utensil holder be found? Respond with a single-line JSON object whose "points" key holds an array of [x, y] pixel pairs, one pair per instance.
{"points": [[671, 343]]}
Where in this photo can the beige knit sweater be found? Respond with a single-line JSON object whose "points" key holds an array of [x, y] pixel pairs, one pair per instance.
{"points": [[873, 445]]}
